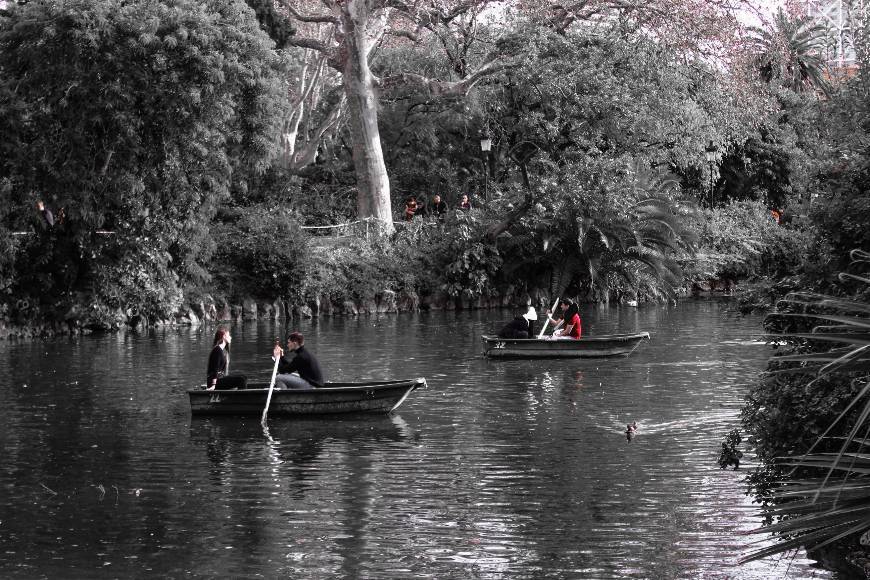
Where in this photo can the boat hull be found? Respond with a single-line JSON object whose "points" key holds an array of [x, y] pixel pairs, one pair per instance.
{"points": [[589, 347], [334, 398]]}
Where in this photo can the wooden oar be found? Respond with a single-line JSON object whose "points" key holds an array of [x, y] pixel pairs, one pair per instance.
{"points": [[271, 385], [543, 328]]}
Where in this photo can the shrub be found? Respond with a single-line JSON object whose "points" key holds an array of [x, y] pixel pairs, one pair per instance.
{"points": [[261, 251], [742, 241]]}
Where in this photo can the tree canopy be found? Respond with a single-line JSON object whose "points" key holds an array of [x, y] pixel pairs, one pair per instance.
{"points": [[134, 118]]}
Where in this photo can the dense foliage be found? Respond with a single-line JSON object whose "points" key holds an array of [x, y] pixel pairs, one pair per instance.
{"points": [[133, 118], [743, 241], [261, 251], [808, 415]]}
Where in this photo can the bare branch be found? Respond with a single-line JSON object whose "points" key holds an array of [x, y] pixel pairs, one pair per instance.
{"points": [[413, 37], [311, 43], [308, 154], [443, 89], [327, 18]]}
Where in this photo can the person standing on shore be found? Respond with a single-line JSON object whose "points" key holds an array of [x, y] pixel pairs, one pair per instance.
{"points": [[439, 206], [45, 213]]}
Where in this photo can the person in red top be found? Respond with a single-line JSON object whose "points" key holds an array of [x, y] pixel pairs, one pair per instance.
{"points": [[570, 325], [411, 208]]}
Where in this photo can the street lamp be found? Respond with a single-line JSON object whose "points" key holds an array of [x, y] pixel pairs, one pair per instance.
{"points": [[710, 153], [485, 147]]}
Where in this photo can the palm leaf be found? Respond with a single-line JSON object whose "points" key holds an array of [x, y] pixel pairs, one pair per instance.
{"points": [[816, 512]]}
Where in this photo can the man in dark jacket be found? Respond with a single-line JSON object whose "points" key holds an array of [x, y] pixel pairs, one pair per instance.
{"points": [[300, 372], [439, 207]]}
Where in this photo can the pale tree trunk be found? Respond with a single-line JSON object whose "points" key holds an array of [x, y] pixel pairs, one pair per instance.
{"points": [[373, 185]]}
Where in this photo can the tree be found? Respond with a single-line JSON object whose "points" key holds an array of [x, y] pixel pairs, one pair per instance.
{"points": [[355, 29], [475, 51], [138, 118], [790, 52], [593, 203]]}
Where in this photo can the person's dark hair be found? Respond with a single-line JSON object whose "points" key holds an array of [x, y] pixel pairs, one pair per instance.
{"points": [[296, 337], [520, 312], [572, 310], [220, 335]]}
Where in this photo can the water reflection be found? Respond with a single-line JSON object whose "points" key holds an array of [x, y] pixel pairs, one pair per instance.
{"points": [[287, 447], [498, 469]]}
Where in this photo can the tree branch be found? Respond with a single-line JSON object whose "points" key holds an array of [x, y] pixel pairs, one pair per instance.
{"points": [[413, 37], [308, 154], [312, 43], [322, 18], [500, 227], [443, 89]]}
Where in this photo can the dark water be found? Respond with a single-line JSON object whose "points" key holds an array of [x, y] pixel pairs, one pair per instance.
{"points": [[507, 469]]}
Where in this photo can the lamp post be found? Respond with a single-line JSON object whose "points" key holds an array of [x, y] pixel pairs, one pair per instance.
{"points": [[485, 147], [710, 153]]}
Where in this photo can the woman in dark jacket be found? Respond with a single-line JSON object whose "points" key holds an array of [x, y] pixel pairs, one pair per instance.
{"points": [[219, 359]]}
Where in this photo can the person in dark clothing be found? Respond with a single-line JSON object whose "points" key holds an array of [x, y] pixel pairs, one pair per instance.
{"points": [[47, 216], [465, 203], [300, 372], [439, 206], [219, 364], [516, 328], [531, 317]]}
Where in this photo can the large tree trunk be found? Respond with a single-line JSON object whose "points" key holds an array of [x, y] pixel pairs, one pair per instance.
{"points": [[373, 195]]}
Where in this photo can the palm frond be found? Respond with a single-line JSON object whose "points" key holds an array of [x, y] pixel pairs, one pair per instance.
{"points": [[815, 511]]}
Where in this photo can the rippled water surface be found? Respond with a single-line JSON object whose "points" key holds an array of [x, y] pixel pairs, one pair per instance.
{"points": [[500, 469]]}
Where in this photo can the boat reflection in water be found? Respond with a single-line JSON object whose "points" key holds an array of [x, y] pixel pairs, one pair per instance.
{"points": [[274, 487], [292, 447]]}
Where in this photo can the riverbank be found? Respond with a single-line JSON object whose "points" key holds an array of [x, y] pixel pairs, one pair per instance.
{"points": [[211, 310]]}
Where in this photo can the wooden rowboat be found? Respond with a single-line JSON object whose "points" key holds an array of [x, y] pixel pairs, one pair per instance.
{"points": [[592, 346], [367, 397]]}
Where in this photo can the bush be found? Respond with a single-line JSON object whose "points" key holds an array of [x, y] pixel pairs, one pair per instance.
{"points": [[261, 251], [742, 241]]}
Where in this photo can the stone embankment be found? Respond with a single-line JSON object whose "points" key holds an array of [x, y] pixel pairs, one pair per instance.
{"points": [[209, 309]]}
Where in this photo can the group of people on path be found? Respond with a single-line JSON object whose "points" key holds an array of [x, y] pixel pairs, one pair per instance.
{"points": [[566, 325], [438, 207], [301, 371]]}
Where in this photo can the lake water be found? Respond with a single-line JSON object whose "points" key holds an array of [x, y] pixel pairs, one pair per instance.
{"points": [[499, 469]]}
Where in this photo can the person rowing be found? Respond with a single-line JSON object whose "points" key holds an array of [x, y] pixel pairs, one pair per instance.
{"points": [[300, 372], [569, 325]]}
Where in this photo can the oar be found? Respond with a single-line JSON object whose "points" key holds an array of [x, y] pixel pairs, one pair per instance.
{"points": [[271, 386], [553, 309]]}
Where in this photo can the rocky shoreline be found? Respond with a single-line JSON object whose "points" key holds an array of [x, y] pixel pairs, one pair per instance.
{"points": [[211, 309]]}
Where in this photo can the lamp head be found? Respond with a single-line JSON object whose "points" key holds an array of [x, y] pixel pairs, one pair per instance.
{"points": [[710, 152]]}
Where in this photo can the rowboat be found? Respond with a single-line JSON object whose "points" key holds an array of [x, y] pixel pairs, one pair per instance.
{"points": [[592, 346], [333, 398]]}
